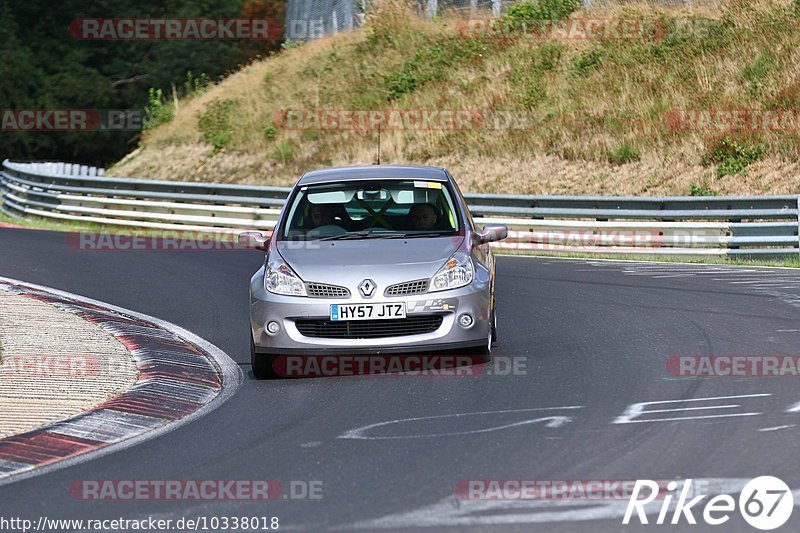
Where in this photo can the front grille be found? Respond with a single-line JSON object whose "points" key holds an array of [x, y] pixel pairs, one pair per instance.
{"points": [[323, 290], [409, 287], [368, 329]]}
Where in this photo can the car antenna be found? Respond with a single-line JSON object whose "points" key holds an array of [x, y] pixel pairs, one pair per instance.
{"points": [[379, 144]]}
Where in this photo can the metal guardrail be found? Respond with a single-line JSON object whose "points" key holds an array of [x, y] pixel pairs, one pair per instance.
{"points": [[683, 226]]}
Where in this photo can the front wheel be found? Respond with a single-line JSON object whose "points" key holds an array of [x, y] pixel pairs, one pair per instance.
{"points": [[494, 324], [261, 364], [484, 352]]}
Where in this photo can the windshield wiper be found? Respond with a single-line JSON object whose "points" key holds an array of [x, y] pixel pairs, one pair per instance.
{"points": [[348, 235], [414, 235]]}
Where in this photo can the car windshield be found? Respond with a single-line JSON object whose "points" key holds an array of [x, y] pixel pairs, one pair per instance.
{"points": [[371, 209]]}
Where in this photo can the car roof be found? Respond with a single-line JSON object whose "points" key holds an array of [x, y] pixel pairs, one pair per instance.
{"points": [[408, 172]]}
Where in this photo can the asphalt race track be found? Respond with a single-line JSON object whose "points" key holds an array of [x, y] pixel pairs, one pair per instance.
{"points": [[590, 339]]}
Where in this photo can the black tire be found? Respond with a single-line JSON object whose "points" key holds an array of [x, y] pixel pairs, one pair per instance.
{"points": [[483, 353], [480, 355], [261, 364], [494, 324]]}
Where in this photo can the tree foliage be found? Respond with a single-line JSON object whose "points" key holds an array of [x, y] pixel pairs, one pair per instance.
{"points": [[45, 67]]}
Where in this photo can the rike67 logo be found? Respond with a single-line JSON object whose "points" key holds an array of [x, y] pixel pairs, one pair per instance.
{"points": [[765, 503]]}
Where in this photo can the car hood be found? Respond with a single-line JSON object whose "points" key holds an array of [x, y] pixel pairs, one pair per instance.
{"points": [[385, 261]]}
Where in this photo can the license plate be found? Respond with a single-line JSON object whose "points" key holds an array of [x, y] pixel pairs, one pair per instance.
{"points": [[368, 311]]}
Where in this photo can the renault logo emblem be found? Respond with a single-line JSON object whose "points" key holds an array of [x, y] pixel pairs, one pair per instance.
{"points": [[367, 288]]}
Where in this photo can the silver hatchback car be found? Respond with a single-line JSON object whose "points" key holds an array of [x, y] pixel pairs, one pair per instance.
{"points": [[372, 260]]}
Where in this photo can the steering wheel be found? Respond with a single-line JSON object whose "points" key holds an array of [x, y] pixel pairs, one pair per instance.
{"points": [[326, 230]]}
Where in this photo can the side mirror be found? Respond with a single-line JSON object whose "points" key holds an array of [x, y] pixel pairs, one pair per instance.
{"points": [[492, 233], [253, 239]]}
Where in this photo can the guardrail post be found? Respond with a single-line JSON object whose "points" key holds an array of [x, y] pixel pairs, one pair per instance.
{"points": [[798, 225], [432, 8]]}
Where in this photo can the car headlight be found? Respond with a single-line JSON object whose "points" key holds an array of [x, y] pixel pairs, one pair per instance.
{"points": [[280, 279], [456, 272]]}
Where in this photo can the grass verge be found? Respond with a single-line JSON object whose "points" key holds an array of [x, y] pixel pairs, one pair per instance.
{"points": [[568, 116]]}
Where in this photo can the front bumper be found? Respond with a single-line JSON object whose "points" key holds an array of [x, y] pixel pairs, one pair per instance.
{"points": [[266, 307]]}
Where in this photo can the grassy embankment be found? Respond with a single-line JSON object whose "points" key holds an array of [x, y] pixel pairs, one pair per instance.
{"points": [[599, 110]]}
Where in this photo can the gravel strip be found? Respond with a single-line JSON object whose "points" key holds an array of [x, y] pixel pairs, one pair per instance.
{"points": [[55, 364]]}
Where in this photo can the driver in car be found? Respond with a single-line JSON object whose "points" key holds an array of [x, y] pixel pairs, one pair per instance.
{"points": [[423, 217], [322, 215]]}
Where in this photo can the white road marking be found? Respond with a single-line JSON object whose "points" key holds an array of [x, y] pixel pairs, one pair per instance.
{"points": [[682, 418], [762, 282], [637, 409], [776, 428], [703, 408], [360, 433]]}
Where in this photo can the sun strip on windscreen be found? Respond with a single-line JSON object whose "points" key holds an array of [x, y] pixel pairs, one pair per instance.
{"points": [[427, 185]]}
